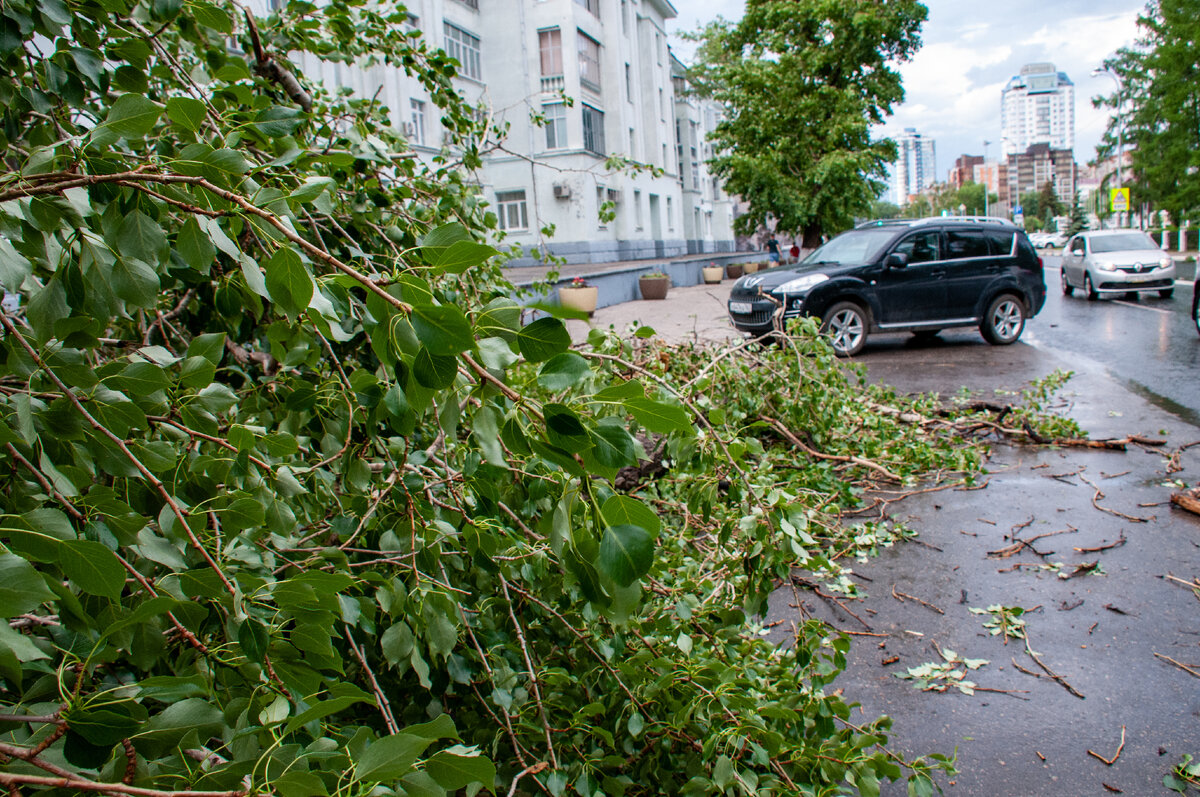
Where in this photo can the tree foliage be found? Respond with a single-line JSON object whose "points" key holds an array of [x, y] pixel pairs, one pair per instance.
{"points": [[803, 83], [1158, 107], [294, 501]]}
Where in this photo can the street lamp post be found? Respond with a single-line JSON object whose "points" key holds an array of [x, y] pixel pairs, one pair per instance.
{"points": [[987, 180], [1120, 130]]}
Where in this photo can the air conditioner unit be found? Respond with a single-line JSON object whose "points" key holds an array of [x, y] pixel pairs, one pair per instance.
{"points": [[562, 191], [613, 195]]}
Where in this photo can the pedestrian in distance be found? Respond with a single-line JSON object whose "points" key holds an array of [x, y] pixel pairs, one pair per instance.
{"points": [[794, 252], [772, 249]]}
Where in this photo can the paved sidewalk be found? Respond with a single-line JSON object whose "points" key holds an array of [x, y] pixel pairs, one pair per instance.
{"points": [[694, 313]]}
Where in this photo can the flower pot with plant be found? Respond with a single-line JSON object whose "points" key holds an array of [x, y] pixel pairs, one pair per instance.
{"points": [[734, 270], [579, 295], [654, 285], [750, 268], [712, 274]]}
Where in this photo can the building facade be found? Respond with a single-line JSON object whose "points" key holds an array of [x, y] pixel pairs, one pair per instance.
{"points": [[578, 82], [964, 170], [1032, 169], [915, 170], [1037, 107]]}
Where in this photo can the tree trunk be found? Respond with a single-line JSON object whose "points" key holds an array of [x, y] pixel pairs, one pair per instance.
{"points": [[812, 237]]}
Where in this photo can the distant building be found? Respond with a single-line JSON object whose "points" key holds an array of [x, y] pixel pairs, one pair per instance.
{"points": [[964, 170], [1037, 107], [916, 167], [1039, 164]]}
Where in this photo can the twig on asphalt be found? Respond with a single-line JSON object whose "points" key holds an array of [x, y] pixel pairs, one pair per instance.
{"points": [[1055, 676], [1183, 667], [1116, 755], [1100, 494], [1105, 547], [901, 596]]}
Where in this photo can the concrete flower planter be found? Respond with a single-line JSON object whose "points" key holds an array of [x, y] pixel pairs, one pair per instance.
{"points": [[750, 267], [712, 274], [734, 270], [654, 287], [582, 299]]}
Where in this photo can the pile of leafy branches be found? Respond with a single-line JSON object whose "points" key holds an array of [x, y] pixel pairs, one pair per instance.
{"points": [[294, 501]]}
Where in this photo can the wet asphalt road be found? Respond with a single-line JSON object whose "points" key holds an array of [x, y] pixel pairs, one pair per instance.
{"points": [[1137, 370]]}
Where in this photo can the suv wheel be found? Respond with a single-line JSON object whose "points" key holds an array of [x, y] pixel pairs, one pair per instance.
{"points": [[1004, 321], [845, 324], [1089, 288], [1068, 288]]}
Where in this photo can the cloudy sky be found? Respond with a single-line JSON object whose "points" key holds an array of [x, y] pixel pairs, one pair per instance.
{"points": [[970, 50]]}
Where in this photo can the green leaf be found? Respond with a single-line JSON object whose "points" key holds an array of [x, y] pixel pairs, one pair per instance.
{"points": [[132, 116], [626, 553], [140, 379], [195, 247], [212, 17], [460, 256], [141, 236], [443, 329], [321, 710], [459, 767], [22, 589], [621, 510], [288, 281], [389, 758], [93, 568], [543, 339], [563, 371], [564, 429], [443, 237], [186, 112], [433, 371], [657, 416]]}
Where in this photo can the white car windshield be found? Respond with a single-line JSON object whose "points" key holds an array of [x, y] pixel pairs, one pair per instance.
{"points": [[855, 247], [1124, 242]]}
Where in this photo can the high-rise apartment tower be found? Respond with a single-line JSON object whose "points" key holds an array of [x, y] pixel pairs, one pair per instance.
{"points": [[1037, 107]]}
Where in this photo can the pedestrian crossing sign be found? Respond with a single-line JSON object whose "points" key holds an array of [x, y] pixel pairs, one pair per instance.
{"points": [[1120, 200]]}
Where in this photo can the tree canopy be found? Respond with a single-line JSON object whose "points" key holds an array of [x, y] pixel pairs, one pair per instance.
{"points": [[1158, 107], [804, 82]]}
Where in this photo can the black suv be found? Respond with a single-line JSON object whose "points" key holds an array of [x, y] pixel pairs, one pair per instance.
{"points": [[920, 276]]}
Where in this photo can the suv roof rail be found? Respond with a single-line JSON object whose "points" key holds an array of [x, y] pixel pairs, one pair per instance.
{"points": [[934, 220]]}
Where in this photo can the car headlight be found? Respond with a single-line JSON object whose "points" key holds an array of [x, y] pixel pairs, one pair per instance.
{"points": [[1166, 262], [801, 284], [1105, 266]]}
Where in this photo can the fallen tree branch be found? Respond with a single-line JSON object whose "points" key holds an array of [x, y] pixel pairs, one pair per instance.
{"points": [[1183, 667], [1053, 675], [1188, 500], [1100, 494], [900, 596], [796, 441], [1105, 547]]}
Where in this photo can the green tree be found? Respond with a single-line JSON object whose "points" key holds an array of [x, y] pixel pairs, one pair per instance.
{"points": [[1031, 209], [1159, 107], [804, 82], [1049, 205], [882, 209], [1079, 217]]}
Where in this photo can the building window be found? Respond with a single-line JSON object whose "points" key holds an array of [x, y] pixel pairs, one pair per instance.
{"points": [[593, 130], [628, 83], [603, 225], [591, 5], [625, 16], [417, 111], [512, 210], [662, 105], [632, 144], [464, 47], [470, 4], [637, 209], [658, 47], [670, 214], [665, 164], [556, 125], [589, 61], [550, 47]]}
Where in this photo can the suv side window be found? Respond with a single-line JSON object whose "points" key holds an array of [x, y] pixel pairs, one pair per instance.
{"points": [[923, 247], [965, 243], [1001, 242]]}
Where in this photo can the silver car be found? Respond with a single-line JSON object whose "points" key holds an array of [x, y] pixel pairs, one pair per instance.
{"points": [[1116, 261]]}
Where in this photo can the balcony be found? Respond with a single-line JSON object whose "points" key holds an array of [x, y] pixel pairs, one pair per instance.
{"points": [[553, 84]]}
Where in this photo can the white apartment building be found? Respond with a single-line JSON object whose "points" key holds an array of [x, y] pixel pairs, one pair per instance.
{"points": [[1037, 107], [915, 169], [578, 81]]}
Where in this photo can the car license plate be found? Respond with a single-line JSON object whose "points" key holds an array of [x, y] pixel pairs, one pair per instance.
{"points": [[1140, 278], [740, 307]]}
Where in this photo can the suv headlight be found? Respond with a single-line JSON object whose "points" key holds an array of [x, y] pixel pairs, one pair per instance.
{"points": [[801, 284]]}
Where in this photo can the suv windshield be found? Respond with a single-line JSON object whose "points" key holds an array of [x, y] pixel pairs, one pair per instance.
{"points": [[1123, 243], [855, 247]]}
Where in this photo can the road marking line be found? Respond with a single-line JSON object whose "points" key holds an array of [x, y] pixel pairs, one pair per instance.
{"points": [[1144, 307]]}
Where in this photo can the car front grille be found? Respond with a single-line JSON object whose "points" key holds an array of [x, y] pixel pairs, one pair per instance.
{"points": [[757, 318], [1135, 286]]}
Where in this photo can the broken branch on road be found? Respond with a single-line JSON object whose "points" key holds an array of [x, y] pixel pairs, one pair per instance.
{"points": [[1116, 755]]}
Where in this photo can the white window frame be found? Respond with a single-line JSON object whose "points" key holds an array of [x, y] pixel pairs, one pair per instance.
{"points": [[556, 125], [417, 116], [593, 130], [512, 209], [587, 63], [550, 52], [465, 47]]}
